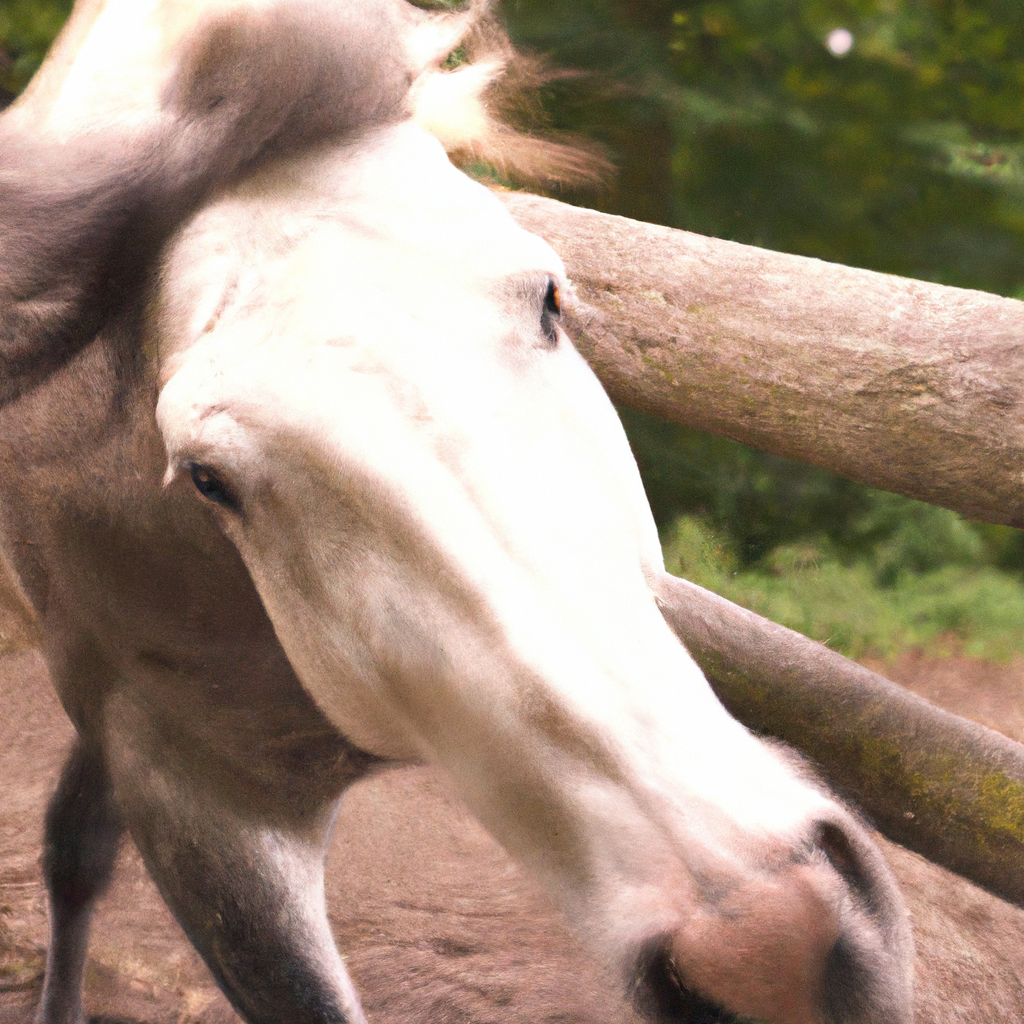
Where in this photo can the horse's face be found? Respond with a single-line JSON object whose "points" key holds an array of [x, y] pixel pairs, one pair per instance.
{"points": [[364, 376], [365, 353]]}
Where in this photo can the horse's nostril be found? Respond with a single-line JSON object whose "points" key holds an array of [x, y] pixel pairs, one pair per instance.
{"points": [[835, 844], [858, 865], [865, 975], [661, 995]]}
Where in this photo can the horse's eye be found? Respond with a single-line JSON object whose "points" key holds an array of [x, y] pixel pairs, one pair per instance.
{"points": [[211, 487], [552, 311], [553, 298]]}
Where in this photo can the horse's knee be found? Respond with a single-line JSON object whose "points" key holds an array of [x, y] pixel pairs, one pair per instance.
{"points": [[248, 892], [82, 833], [253, 906]]}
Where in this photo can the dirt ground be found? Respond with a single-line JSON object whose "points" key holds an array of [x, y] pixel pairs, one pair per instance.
{"points": [[437, 925]]}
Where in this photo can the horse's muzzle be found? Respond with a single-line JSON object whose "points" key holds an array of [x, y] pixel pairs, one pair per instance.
{"points": [[819, 940]]}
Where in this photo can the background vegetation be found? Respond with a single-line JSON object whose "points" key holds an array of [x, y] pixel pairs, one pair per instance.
{"points": [[27, 28], [895, 143]]}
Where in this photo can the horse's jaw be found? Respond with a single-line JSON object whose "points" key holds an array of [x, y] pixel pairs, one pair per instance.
{"points": [[440, 513]]}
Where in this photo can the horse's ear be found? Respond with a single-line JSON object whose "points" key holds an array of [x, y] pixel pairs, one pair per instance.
{"points": [[136, 115], [131, 64]]}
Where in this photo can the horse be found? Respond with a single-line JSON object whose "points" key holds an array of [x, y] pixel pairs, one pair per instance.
{"points": [[302, 478]]}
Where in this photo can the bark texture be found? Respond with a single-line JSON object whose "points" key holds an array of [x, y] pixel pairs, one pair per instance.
{"points": [[941, 785], [912, 387]]}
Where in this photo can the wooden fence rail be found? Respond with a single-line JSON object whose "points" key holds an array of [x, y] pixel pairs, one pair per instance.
{"points": [[948, 788]]}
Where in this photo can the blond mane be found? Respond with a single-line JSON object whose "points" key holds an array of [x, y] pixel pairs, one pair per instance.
{"points": [[477, 94]]}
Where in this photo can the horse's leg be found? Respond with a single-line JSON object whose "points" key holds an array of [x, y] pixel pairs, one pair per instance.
{"points": [[247, 886], [83, 832]]}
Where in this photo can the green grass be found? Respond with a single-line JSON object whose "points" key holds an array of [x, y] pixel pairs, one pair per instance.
{"points": [[870, 607]]}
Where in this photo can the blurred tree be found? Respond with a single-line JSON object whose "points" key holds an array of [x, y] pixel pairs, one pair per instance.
{"points": [[900, 148], [880, 133], [886, 134], [27, 28]]}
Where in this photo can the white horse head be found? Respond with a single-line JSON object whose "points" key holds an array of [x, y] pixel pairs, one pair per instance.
{"points": [[361, 370]]}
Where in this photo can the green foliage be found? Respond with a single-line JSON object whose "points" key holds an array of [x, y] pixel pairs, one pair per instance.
{"points": [[735, 119], [27, 27], [759, 500], [865, 571], [905, 155], [957, 606]]}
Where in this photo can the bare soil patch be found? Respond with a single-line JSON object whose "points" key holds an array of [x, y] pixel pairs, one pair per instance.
{"points": [[988, 692]]}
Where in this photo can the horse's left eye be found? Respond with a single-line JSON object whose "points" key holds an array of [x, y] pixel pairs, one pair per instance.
{"points": [[552, 311], [212, 487]]}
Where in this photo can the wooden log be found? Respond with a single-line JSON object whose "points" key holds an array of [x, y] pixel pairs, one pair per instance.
{"points": [[912, 387], [941, 785]]}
